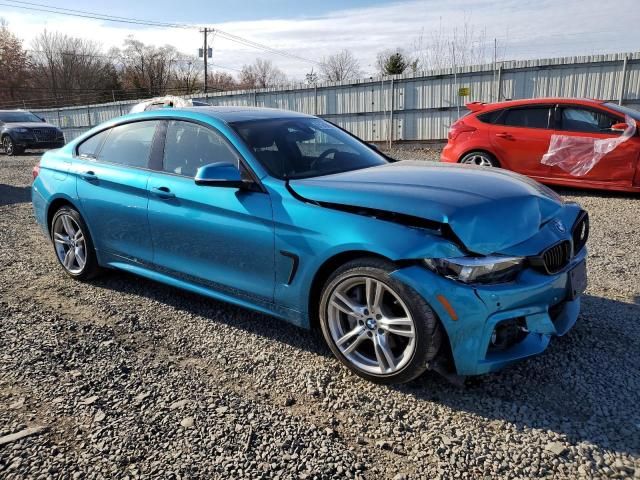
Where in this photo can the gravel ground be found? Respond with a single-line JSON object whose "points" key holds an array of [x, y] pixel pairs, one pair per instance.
{"points": [[129, 378]]}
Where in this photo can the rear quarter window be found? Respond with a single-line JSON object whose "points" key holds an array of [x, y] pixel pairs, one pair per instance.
{"points": [[489, 117]]}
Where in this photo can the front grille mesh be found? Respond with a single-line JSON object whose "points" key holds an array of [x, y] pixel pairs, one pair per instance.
{"points": [[557, 257], [44, 134]]}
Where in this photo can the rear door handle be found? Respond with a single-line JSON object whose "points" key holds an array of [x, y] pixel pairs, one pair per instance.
{"points": [[504, 135], [89, 176], [162, 192]]}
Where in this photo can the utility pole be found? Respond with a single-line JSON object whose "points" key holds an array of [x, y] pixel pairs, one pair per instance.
{"points": [[495, 62], [205, 54], [455, 77]]}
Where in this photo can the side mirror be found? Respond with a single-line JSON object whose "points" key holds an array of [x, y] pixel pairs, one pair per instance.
{"points": [[43, 120], [219, 175], [619, 127], [374, 146]]}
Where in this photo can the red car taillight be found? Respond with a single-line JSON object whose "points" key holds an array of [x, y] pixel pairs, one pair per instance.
{"points": [[458, 128], [36, 171]]}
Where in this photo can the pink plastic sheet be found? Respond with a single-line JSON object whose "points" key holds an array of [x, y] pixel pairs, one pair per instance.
{"points": [[578, 155]]}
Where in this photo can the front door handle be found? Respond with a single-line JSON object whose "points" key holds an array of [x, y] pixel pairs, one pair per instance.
{"points": [[506, 135], [89, 176], [162, 192]]}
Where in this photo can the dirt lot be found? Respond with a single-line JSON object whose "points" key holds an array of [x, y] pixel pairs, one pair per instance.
{"points": [[134, 379]]}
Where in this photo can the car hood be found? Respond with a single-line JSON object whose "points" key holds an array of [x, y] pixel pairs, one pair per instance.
{"points": [[28, 125], [489, 210]]}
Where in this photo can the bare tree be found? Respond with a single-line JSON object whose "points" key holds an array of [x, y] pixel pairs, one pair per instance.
{"points": [[146, 68], [71, 70], [222, 81], [13, 64], [186, 75], [445, 48], [261, 74], [341, 66]]}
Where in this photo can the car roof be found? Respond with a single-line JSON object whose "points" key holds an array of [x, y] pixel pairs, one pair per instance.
{"points": [[230, 114], [480, 107]]}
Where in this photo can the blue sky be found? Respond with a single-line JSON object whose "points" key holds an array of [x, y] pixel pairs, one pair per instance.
{"points": [[221, 11], [316, 29]]}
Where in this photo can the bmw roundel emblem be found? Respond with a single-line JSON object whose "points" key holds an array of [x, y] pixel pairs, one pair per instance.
{"points": [[559, 226]]}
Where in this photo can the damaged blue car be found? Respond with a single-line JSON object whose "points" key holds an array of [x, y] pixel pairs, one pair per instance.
{"points": [[402, 265]]}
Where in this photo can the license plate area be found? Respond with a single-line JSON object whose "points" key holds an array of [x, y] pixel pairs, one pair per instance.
{"points": [[577, 280]]}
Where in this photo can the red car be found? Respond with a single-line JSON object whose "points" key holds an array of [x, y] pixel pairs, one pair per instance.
{"points": [[517, 134]]}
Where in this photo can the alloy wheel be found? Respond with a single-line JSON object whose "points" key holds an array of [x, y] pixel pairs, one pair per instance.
{"points": [[371, 325], [477, 159], [7, 144], [70, 243]]}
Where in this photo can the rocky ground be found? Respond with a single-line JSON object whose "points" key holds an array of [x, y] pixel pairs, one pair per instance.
{"points": [[126, 378]]}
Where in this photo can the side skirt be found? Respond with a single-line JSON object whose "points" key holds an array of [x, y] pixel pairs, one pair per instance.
{"points": [[211, 289]]}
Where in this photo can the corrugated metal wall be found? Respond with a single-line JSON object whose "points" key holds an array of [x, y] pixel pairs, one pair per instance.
{"points": [[417, 107]]}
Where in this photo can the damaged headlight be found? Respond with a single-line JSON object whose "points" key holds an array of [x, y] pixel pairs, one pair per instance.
{"points": [[491, 269]]}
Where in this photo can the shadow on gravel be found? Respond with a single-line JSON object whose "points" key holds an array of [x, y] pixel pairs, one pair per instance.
{"points": [[582, 387], [191, 303], [585, 386], [10, 194], [580, 192]]}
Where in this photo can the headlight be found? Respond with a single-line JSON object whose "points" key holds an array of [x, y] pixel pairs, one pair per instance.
{"points": [[21, 130], [491, 269]]}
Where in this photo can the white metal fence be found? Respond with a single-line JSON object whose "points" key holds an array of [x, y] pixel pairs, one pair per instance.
{"points": [[418, 107]]}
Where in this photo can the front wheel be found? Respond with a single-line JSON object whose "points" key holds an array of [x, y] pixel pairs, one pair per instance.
{"points": [[380, 328], [10, 147], [73, 245]]}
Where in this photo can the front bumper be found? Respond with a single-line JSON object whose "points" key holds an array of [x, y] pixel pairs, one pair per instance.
{"points": [[34, 144], [537, 300], [33, 141]]}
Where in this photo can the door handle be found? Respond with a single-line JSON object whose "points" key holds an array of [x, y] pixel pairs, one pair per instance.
{"points": [[89, 176], [162, 192], [504, 135]]}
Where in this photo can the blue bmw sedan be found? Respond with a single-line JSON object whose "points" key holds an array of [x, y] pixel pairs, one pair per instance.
{"points": [[402, 265]]}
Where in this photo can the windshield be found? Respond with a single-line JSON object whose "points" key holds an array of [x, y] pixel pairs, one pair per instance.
{"points": [[305, 147], [635, 114], [18, 117]]}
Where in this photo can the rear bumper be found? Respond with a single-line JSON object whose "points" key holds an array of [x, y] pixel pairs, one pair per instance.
{"points": [[449, 154], [536, 300]]}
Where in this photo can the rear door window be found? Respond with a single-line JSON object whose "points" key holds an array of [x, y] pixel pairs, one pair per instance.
{"points": [[91, 147], [190, 146], [576, 119], [129, 144], [530, 117]]}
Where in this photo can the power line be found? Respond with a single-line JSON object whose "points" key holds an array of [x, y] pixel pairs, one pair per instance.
{"points": [[93, 15], [136, 21]]}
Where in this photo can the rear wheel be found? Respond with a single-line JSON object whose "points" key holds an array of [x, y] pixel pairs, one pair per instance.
{"points": [[73, 245], [377, 326], [481, 159]]}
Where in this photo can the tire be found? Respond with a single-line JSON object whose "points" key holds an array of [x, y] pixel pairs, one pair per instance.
{"points": [[480, 158], [9, 146], [65, 222], [400, 323]]}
